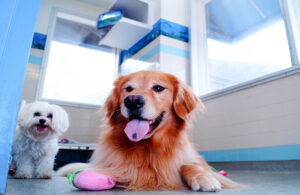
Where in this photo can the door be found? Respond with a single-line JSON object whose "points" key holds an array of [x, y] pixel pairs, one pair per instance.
{"points": [[17, 23]]}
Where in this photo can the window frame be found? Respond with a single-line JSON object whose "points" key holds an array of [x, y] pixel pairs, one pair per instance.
{"points": [[50, 35], [198, 48]]}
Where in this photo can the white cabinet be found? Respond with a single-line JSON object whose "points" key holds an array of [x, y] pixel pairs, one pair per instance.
{"points": [[133, 26]]}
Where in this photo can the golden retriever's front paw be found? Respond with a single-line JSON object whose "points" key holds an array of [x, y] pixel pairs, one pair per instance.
{"points": [[205, 184], [22, 176], [200, 179]]}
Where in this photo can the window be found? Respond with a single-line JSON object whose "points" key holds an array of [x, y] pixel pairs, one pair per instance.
{"points": [[243, 40], [76, 70]]}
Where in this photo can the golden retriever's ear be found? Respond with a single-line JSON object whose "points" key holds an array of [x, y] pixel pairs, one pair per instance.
{"points": [[112, 104], [185, 101]]}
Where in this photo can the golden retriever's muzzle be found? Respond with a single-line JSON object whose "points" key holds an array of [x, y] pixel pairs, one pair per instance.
{"points": [[138, 127], [134, 105]]}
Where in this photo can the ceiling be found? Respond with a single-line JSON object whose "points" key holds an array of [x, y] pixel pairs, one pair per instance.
{"points": [[233, 20]]}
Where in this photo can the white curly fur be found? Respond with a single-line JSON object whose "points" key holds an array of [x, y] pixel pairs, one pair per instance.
{"points": [[34, 149]]}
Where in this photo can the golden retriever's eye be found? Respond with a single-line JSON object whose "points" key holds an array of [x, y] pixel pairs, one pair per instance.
{"points": [[37, 114], [158, 88], [129, 89]]}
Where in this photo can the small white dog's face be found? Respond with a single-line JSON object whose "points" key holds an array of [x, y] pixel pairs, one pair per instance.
{"points": [[40, 119]]}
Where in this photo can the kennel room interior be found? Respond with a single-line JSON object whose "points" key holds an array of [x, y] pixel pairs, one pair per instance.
{"points": [[240, 57]]}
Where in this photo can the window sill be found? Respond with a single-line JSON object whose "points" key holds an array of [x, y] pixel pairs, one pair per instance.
{"points": [[251, 83]]}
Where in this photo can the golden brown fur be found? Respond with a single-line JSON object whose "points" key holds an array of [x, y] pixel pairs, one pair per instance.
{"points": [[166, 160]]}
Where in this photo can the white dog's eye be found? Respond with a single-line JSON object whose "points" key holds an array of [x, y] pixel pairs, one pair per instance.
{"points": [[37, 114], [50, 116]]}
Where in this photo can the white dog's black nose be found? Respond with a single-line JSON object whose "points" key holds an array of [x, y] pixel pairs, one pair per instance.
{"points": [[133, 102], [42, 121]]}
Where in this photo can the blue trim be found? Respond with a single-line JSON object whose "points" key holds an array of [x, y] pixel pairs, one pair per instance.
{"points": [[161, 27], [39, 41], [166, 49], [175, 51], [18, 20], [150, 53], [173, 30], [35, 60], [287, 152]]}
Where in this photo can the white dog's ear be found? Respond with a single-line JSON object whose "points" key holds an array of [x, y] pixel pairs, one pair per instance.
{"points": [[23, 116], [60, 121], [22, 104]]}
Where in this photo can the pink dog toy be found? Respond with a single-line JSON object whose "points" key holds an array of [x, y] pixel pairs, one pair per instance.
{"points": [[223, 173], [220, 172], [87, 180]]}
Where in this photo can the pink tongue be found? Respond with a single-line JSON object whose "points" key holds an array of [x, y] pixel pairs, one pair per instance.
{"points": [[40, 128], [137, 129]]}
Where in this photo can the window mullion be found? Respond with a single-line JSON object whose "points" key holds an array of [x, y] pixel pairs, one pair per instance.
{"points": [[199, 75], [292, 25]]}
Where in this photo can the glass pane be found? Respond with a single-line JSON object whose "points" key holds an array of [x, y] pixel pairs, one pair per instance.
{"points": [[78, 70], [246, 40]]}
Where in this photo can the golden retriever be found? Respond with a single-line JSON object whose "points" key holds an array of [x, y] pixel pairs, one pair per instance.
{"points": [[145, 145]]}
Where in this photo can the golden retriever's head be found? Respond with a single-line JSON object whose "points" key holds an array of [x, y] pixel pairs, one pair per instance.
{"points": [[148, 101]]}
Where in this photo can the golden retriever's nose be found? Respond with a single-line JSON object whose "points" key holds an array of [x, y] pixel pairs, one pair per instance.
{"points": [[134, 102]]}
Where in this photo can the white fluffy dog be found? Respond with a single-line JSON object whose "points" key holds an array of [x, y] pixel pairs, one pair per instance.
{"points": [[36, 137]]}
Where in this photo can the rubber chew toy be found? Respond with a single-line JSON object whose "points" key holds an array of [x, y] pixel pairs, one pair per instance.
{"points": [[220, 172], [88, 180], [223, 173]]}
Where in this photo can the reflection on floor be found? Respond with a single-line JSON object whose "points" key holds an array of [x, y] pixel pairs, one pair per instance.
{"points": [[258, 182]]}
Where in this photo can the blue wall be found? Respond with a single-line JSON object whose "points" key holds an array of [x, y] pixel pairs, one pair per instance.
{"points": [[17, 21], [287, 152]]}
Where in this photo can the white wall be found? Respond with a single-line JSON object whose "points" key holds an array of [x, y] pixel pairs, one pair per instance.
{"points": [[264, 115], [156, 12], [175, 11]]}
